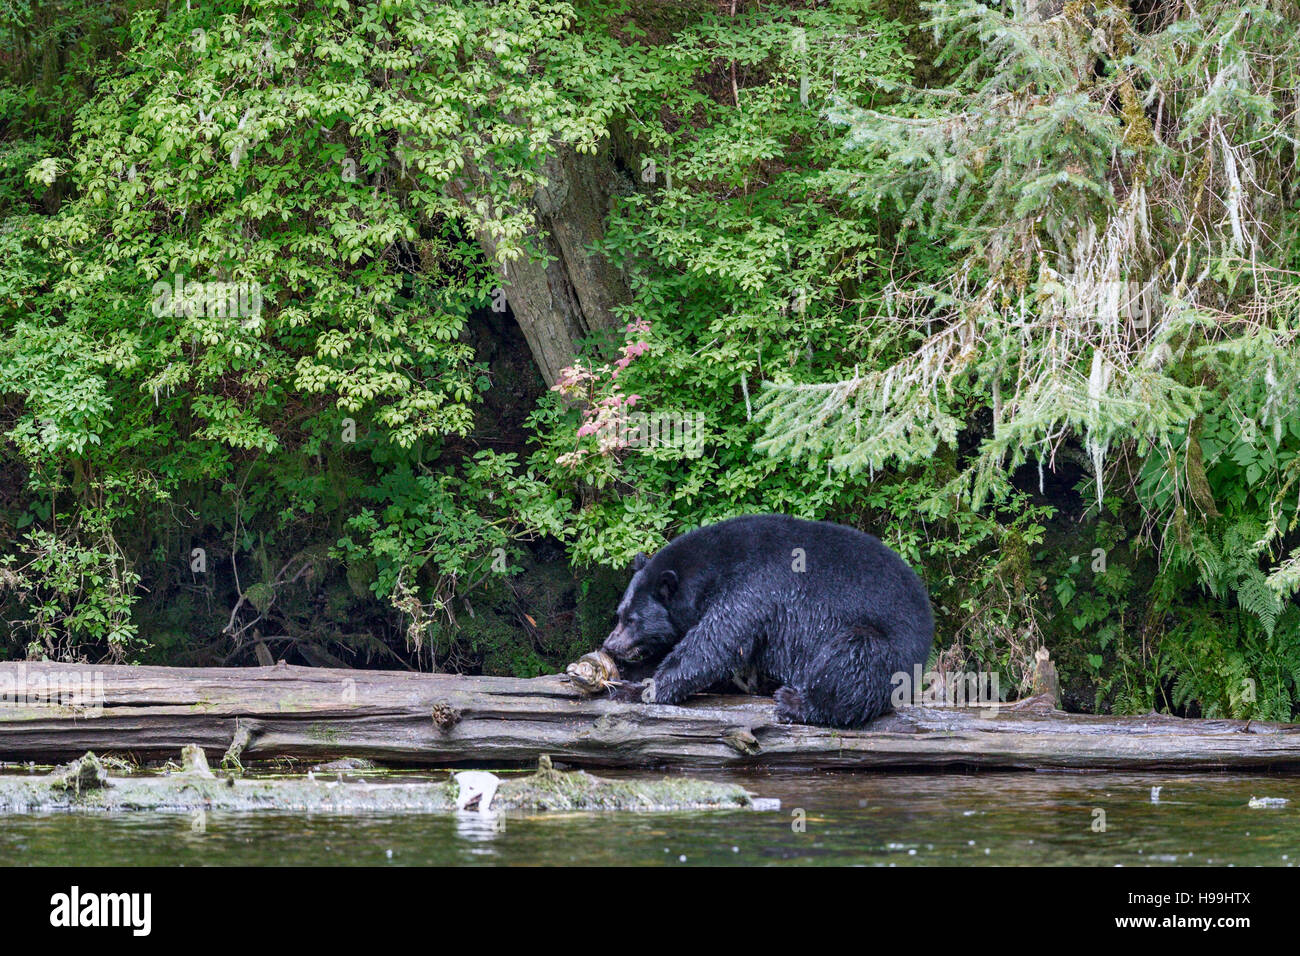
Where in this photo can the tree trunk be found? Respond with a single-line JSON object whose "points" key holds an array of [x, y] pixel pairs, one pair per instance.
{"points": [[567, 293], [58, 711]]}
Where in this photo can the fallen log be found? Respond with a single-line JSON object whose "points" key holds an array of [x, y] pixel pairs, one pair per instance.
{"points": [[51, 712]]}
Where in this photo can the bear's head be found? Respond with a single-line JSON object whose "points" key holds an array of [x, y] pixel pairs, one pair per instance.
{"points": [[645, 630]]}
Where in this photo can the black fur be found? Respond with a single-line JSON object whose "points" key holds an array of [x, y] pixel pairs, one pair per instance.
{"points": [[727, 599]]}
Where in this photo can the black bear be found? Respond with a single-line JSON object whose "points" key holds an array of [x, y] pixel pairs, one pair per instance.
{"points": [[827, 612]]}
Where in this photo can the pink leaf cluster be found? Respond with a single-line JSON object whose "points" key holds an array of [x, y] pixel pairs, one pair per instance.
{"points": [[603, 416]]}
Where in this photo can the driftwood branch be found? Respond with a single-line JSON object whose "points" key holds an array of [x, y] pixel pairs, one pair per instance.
{"points": [[58, 711]]}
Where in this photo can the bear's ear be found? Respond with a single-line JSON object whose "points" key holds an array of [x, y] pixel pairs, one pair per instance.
{"points": [[667, 586], [639, 562]]}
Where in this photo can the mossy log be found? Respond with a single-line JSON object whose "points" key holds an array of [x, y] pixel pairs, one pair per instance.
{"points": [[57, 712], [85, 786]]}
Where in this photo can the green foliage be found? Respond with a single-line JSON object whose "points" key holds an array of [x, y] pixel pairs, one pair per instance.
{"points": [[742, 266], [882, 271], [260, 251], [1118, 282], [457, 528]]}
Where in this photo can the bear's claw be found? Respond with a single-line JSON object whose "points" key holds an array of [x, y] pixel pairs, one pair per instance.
{"points": [[789, 705]]}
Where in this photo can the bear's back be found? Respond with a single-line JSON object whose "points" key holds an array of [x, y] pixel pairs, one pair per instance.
{"points": [[796, 560]]}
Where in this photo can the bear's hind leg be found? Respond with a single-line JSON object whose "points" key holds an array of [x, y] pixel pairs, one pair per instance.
{"points": [[794, 706], [850, 683]]}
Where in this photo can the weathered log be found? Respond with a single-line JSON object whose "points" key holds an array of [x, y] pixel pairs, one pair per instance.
{"points": [[58, 711]]}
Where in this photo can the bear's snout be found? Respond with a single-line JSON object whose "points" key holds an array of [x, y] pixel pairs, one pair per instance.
{"points": [[621, 644]]}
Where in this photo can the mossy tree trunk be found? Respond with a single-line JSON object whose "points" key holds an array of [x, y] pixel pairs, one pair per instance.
{"points": [[564, 292]]}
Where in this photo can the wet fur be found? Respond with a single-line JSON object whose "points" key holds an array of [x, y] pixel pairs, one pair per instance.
{"points": [[726, 598]]}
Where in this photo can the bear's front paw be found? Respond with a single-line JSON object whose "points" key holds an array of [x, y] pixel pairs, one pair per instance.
{"points": [[648, 695], [789, 706], [626, 691]]}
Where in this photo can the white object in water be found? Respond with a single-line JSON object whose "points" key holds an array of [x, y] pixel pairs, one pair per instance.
{"points": [[1267, 802], [476, 785], [1155, 794]]}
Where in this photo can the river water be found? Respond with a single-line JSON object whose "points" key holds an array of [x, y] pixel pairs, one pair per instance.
{"points": [[825, 818]]}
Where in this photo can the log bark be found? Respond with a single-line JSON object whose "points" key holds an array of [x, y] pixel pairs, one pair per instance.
{"points": [[59, 711]]}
